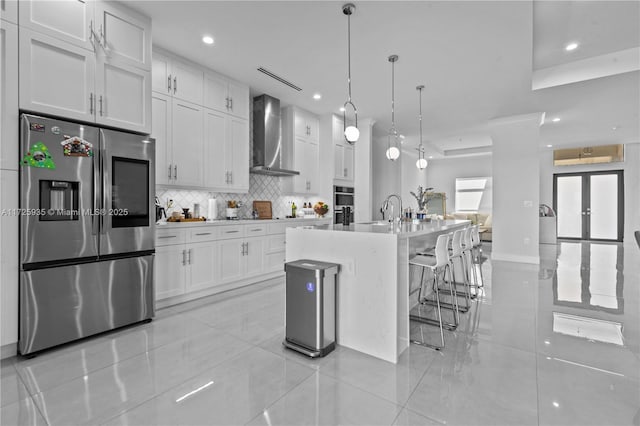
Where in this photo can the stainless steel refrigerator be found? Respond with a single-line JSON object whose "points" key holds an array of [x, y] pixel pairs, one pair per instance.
{"points": [[86, 231]]}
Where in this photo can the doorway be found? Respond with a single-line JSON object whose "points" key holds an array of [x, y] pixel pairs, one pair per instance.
{"points": [[589, 205]]}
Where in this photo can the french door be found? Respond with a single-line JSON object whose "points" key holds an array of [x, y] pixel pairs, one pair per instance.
{"points": [[589, 205]]}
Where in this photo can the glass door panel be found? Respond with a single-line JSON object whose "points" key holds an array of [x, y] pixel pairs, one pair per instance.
{"points": [[602, 212], [569, 206]]}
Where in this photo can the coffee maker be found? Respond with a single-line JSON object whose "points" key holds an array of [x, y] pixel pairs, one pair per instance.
{"points": [[160, 211]]}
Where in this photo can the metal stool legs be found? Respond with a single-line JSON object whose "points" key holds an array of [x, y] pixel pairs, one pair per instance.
{"points": [[428, 320]]}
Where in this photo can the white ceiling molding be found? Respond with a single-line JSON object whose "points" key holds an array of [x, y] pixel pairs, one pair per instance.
{"points": [[587, 69]]}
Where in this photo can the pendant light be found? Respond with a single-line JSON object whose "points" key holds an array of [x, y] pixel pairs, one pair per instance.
{"points": [[393, 148], [351, 132], [421, 164]]}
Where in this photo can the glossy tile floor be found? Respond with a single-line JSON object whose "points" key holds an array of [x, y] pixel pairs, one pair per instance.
{"points": [[559, 344]]}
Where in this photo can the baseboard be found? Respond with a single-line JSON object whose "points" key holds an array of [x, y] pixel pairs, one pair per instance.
{"points": [[515, 258], [9, 350]]}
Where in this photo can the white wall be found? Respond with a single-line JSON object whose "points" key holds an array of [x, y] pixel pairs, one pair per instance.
{"points": [[363, 177], [442, 174], [631, 168], [387, 176], [516, 183], [411, 177]]}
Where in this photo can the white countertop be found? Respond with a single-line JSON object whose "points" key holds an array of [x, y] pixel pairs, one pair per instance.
{"points": [[301, 221], [405, 230]]}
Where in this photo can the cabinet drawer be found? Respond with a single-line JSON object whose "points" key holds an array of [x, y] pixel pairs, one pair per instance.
{"points": [[276, 228], [208, 233], [166, 237], [275, 243], [227, 232], [255, 230]]}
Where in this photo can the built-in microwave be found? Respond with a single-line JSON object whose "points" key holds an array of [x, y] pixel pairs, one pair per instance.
{"points": [[343, 196]]}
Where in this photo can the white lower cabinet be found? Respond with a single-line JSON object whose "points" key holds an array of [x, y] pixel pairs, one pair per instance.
{"points": [[202, 268], [169, 271], [198, 261]]}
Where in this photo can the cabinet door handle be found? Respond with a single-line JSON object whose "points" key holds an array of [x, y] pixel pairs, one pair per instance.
{"points": [[167, 236], [175, 172], [184, 257], [204, 233], [189, 256], [345, 172], [230, 232], [175, 84], [247, 244], [169, 171], [231, 175], [101, 105], [226, 102], [169, 84], [91, 103], [242, 249], [256, 230], [231, 104]]}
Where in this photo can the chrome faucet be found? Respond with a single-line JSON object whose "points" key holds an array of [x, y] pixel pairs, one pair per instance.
{"points": [[385, 207]]}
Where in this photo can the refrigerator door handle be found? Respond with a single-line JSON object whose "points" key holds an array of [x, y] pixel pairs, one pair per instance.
{"points": [[96, 197], [103, 173]]}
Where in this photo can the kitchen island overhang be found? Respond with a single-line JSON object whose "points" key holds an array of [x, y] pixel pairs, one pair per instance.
{"points": [[372, 290]]}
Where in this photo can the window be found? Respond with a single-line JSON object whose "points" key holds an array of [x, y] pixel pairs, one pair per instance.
{"points": [[471, 193]]}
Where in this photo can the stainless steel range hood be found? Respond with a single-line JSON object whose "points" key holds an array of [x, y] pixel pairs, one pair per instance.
{"points": [[268, 146]]}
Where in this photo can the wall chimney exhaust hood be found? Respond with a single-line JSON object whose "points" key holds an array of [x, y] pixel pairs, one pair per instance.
{"points": [[268, 146]]}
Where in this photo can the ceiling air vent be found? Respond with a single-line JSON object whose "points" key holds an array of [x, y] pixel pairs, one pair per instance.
{"points": [[280, 79], [588, 155]]}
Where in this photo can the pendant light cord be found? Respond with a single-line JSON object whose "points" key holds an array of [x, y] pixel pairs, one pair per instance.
{"points": [[349, 53], [420, 90], [393, 111]]}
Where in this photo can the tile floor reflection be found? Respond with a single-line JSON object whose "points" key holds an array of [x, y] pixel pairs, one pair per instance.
{"points": [[557, 344]]}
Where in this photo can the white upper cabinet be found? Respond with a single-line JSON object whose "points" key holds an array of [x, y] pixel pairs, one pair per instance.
{"points": [[225, 95], [177, 77], [161, 132], [187, 144], [226, 152], [123, 94], [8, 95], [56, 78], [9, 10], [300, 132], [306, 125], [89, 61], [124, 34], [71, 21]]}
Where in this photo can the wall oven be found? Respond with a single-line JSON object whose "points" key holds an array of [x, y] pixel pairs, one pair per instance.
{"points": [[343, 196]]}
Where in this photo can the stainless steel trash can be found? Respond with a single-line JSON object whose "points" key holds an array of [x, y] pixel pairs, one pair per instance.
{"points": [[310, 307]]}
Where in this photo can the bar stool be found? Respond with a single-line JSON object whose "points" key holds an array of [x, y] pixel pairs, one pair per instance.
{"points": [[477, 252], [456, 248], [437, 265], [457, 253], [468, 254]]}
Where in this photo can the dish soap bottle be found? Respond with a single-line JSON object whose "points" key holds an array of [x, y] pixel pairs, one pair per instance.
{"points": [[293, 209]]}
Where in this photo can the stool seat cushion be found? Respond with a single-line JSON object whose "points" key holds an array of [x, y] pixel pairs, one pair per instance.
{"points": [[428, 261]]}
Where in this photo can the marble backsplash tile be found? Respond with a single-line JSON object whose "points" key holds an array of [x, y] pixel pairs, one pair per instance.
{"points": [[261, 187]]}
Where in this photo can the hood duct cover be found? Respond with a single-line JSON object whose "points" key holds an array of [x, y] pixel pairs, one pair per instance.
{"points": [[267, 138]]}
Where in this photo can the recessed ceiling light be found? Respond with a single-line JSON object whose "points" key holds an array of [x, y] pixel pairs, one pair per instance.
{"points": [[571, 46], [555, 404], [431, 156], [614, 128], [317, 96], [549, 146], [555, 120], [207, 40], [341, 109]]}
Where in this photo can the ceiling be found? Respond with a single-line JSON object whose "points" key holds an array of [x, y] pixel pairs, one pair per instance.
{"points": [[475, 58]]}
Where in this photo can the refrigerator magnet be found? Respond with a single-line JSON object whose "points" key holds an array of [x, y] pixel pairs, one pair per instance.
{"points": [[76, 147], [38, 156]]}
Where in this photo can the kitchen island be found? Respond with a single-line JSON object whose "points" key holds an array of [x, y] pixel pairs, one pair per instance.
{"points": [[372, 311]]}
